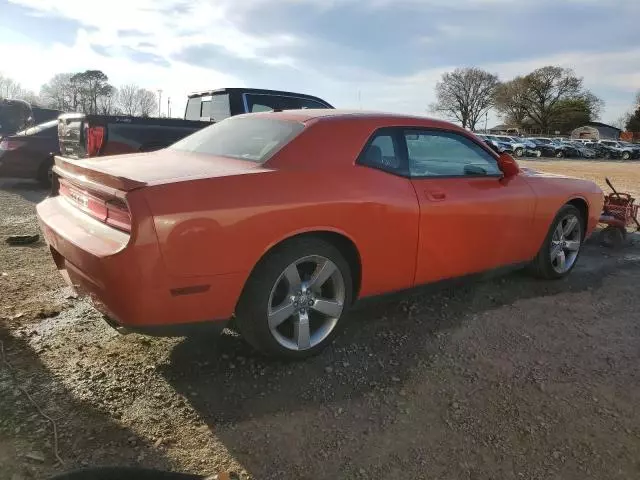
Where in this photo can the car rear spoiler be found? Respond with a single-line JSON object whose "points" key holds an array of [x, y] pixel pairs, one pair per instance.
{"points": [[90, 177]]}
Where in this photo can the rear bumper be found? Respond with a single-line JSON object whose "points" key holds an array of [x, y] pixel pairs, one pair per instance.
{"points": [[125, 276]]}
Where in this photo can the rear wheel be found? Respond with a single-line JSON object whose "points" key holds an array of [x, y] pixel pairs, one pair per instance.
{"points": [[295, 299], [626, 155], [45, 173], [559, 154], [561, 248]]}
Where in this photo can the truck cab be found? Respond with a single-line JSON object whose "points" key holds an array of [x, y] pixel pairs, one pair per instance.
{"points": [[216, 105]]}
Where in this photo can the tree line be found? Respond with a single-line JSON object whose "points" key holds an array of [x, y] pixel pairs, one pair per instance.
{"points": [[548, 99], [87, 92]]}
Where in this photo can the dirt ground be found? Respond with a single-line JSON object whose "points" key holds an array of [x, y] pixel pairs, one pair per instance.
{"points": [[510, 378], [625, 176]]}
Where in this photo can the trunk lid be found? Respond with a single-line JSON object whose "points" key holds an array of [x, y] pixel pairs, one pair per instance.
{"points": [[136, 170]]}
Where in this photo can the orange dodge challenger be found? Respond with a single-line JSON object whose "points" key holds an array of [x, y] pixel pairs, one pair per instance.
{"points": [[283, 219]]}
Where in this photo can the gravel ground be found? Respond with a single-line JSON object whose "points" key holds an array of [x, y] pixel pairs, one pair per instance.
{"points": [[506, 378]]}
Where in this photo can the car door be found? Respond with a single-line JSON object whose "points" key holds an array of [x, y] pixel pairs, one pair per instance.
{"points": [[471, 218]]}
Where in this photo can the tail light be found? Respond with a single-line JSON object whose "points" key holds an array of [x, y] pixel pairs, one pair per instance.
{"points": [[118, 215], [9, 144], [112, 211], [94, 137]]}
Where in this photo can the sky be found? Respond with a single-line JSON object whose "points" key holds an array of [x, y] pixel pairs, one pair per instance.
{"points": [[371, 54]]}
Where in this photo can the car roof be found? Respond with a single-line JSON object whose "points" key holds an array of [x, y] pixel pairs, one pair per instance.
{"points": [[385, 119]]}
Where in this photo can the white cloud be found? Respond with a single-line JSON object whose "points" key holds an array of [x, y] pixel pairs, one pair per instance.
{"points": [[165, 29]]}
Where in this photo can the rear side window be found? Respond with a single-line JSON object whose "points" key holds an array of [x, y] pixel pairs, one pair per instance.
{"points": [[384, 152], [252, 139], [267, 103], [215, 107], [193, 108], [208, 107]]}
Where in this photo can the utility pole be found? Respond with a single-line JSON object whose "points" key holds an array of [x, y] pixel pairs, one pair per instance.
{"points": [[168, 107], [159, 102], [486, 115]]}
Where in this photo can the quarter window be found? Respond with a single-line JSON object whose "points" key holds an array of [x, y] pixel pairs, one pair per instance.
{"points": [[438, 154], [381, 152]]}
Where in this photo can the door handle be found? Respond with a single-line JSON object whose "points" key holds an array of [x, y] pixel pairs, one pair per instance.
{"points": [[436, 196]]}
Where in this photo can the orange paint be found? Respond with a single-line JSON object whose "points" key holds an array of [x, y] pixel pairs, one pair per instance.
{"points": [[200, 223]]}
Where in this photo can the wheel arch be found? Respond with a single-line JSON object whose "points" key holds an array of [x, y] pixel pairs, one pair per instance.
{"points": [[583, 207], [339, 239]]}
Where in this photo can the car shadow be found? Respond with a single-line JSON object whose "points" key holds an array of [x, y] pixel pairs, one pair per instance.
{"points": [[87, 437], [31, 191], [229, 384]]}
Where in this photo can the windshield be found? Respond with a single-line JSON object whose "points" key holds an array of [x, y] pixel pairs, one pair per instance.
{"points": [[253, 139]]}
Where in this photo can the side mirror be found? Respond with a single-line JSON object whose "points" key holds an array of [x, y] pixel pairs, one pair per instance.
{"points": [[508, 165]]}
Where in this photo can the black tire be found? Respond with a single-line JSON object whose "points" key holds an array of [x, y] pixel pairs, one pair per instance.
{"points": [[519, 152], [45, 172], [626, 155], [559, 154], [541, 265], [251, 312]]}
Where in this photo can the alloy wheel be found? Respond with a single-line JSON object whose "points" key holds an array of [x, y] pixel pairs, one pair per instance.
{"points": [[306, 302], [565, 243]]}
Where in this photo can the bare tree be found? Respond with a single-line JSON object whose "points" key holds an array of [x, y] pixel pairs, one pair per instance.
{"points": [[61, 93], [9, 88], [127, 99], [146, 102], [622, 120], [510, 101], [134, 100], [465, 95]]}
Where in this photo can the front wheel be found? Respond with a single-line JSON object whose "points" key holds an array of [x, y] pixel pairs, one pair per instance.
{"points": [[626, 155], [519, 152], [561, 248], [559, 154], [295, 299]]}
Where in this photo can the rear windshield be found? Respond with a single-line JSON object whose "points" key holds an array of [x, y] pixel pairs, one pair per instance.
{"points": [[208, 107], [253, 139]]}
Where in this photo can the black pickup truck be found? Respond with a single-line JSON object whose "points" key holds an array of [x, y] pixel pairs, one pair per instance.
{"points": [[83, 136]]}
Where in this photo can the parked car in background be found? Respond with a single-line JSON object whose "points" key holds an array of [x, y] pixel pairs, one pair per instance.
{"points": [[626, 152], [517, 146], [29, 153], [604, 151], [84, 136], [566, 149], [282, 220], [545, 146], [15, 115], [496, 144], [633, 146], [582, 151]]}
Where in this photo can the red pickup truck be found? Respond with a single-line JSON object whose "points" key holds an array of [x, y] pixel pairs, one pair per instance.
{"points": [[83, 136]]}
